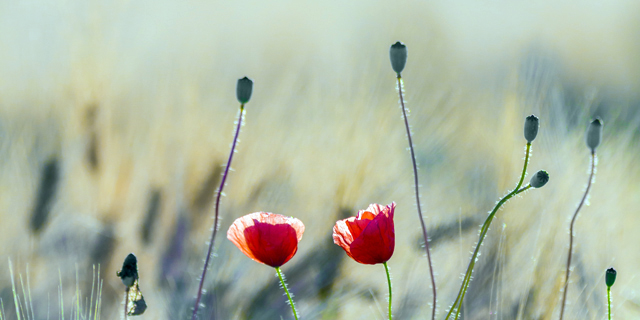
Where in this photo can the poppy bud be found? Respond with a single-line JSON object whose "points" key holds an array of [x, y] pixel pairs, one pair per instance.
{"points": [[398, 55], [594, 134], [129, 272], [244, 89], [539, 179], [531, 128], [610, 277]]}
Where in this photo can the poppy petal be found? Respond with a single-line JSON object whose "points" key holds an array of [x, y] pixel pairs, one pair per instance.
{"points": [[377, 242], [369, 237], [268, 238]]}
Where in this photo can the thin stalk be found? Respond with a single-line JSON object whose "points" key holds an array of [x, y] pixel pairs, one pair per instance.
{"points": [[609, 300], [483, 233], [284, 286], [523, 189], [217, 213], [13, 288], [417, 190], [386, 268], [126, 302], [573, 220]]}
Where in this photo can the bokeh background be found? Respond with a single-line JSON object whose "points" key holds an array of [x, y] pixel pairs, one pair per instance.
{"points": [[116, 118]]}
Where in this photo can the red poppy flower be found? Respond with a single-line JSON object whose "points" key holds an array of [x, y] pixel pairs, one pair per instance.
{"points": [[370, 237], [266, 237]]}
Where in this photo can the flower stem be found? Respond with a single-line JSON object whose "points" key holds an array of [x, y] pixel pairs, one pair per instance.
{"points": [[217, 214], [609, 300], [523, 189], [126, 303], [386, 268], [284, 286], [457, 304], [573, 220], [417, 190]]}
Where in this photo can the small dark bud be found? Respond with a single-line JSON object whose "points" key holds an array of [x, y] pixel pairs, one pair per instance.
{"points": [[398, 55], [539, 179], [244, 89], [610, 277], [594, 134], [531, 124], [129, 272]]}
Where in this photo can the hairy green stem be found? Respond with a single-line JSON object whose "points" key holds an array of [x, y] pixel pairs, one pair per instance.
{"points": [[386, 268], [284, 286], [457, 304], [609, 300]]}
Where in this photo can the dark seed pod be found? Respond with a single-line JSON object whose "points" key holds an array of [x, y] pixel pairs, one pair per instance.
{"points": [[398, 55], [129, 272], [244, 89], [610, 277], [531, 124], [539, 179], [594, 134]]}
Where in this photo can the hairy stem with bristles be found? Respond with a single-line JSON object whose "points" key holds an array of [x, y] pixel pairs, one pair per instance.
{"points": [[284, 286], [417, 190], [457, 304], [217, 212], [573, 220]]}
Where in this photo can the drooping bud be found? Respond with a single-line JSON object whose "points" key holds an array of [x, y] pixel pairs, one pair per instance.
{"points": [[244, 89], [398, 55], [594, 134], [539, 179], [610, 277], [531, 124]]}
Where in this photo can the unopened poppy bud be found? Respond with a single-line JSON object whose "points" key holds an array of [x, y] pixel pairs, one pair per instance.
{"points": [[398, 55], [610, 277], [244, 89], [531, 124], [594, 134], [539, 179]]}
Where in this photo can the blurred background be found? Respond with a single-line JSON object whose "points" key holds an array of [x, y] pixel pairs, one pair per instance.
{"points": [[116, 119]]}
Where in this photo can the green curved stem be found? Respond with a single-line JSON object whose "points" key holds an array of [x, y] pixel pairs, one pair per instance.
{"points": [[386, 268], [609, 300], [457, 304], [284, 286], [523, 189]]}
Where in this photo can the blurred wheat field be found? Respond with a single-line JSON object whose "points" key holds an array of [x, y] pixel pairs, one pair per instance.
{"points": [[116, 119]]}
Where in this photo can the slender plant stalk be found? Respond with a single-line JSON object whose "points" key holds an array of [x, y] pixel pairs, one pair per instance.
{"points": [[126, 302], [573, 220], [284, 286], [415, 180], [609, 300], [457, 304], [386, 268], [217, 212]]}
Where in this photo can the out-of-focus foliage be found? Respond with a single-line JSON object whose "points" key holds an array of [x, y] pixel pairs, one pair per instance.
{"points": [[116, 117]]}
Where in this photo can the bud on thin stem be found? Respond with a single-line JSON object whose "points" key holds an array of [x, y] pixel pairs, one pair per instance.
{"points": [[531, 125], [398, 55], [610, 277], [594, 134], [244, 89], [539, 179]]}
